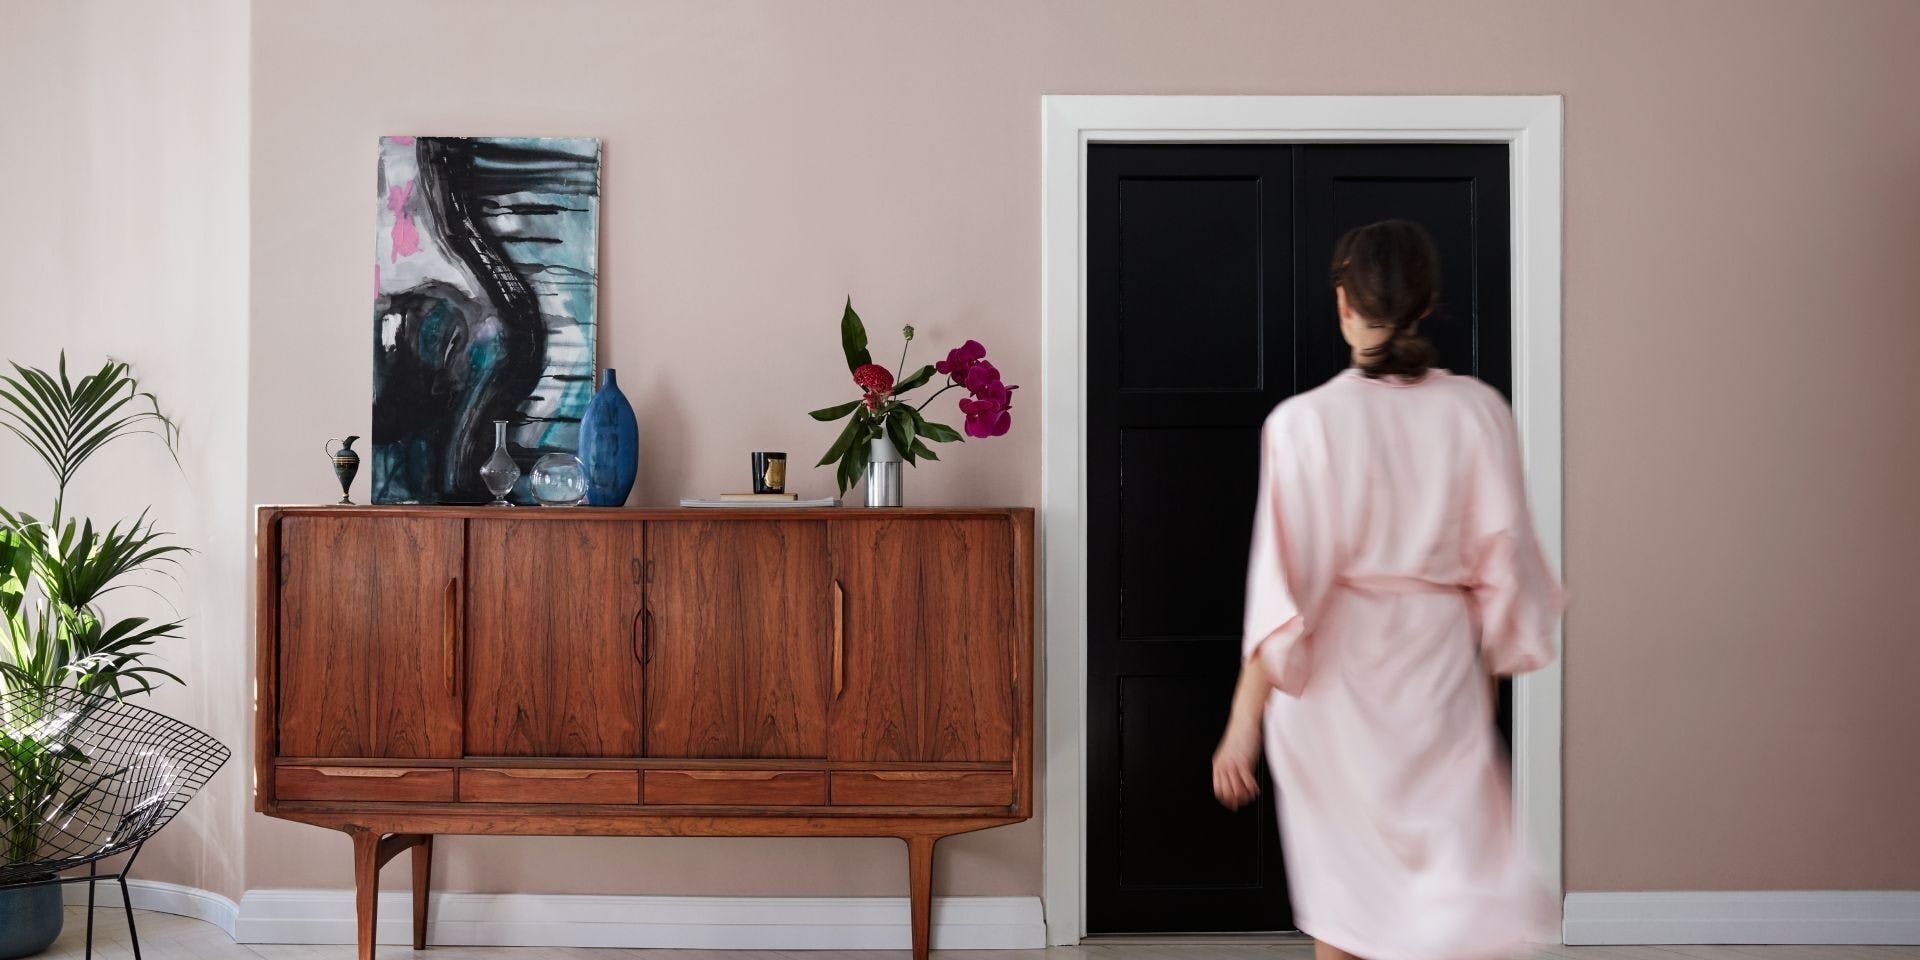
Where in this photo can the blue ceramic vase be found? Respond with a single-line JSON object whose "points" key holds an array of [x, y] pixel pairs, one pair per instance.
{"points": [[30, 920], [609, 444]]}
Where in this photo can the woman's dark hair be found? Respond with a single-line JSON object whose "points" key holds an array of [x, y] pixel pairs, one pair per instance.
{"points": [[1391, 273]]}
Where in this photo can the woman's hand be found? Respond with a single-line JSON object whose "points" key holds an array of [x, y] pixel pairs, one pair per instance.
{"points": [[1239, 750]]}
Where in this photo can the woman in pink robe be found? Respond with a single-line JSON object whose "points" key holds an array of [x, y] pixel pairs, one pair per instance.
{"points": [[1394, 569]]}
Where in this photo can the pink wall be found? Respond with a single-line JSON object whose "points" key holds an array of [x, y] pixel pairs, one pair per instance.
{"points": [[1740, 330], [123, 142]]}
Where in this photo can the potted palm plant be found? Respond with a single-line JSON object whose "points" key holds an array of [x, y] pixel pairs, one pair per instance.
{"points": [[54, 631]]}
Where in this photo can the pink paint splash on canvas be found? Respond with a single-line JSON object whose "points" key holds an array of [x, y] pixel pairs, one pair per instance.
{"points": [[406, 237]]}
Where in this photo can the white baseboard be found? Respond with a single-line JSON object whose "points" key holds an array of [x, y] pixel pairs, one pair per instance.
{"points": [[558, 920], [159, 897], [730, 923], [1793, 917]]}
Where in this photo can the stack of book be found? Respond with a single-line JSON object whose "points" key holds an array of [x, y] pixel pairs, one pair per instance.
{"points": [[758, 500]]}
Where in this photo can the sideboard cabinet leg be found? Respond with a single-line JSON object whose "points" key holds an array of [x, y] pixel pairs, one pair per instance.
{"points": [[366, 886], [920, 898], [422, 880]]}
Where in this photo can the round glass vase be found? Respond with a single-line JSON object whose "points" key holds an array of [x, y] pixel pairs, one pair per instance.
{"points": [[559, 480]]}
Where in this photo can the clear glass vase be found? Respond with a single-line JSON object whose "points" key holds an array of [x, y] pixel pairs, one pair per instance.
{"points": [[559, 480], [500, 473]]}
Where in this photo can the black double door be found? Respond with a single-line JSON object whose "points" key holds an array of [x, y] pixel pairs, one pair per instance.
{"points": [[1208, 303]]}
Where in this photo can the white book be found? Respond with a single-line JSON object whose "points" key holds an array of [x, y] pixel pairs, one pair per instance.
{"points": [[759, 504]]}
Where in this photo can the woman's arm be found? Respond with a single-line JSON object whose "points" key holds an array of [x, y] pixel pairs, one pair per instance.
{"points": [[1233, 780]]}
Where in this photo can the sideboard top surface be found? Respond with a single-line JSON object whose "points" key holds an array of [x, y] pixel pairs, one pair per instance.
{"points": [[482, 512]]}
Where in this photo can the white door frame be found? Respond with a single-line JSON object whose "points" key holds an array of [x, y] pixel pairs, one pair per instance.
{"points": [[1530, 126]]}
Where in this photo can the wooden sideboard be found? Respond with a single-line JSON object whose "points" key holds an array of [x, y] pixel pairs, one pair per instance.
{"points": [[619, 672]]}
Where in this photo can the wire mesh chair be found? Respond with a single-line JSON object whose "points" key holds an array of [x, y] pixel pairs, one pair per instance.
{"points": [[85, 777]]}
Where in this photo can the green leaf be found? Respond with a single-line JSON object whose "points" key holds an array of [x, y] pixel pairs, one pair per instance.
{"points": [[833, 413], [900, 431], [918, 378], [853, 339], [856, 464], [64, 422], [844, 441], [937, 432], [923, 451]]}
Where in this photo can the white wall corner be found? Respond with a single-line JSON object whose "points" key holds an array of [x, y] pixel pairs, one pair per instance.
{"points": [[1763, 916]]}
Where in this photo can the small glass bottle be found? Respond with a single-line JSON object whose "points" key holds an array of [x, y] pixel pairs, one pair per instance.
{"points": [[500, 473]]}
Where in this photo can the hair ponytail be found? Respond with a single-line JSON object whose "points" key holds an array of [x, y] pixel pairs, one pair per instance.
{"points": [[1391, 273]]}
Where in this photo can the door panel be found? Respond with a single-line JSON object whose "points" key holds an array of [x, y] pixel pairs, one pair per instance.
{"points": [[1202, 594], [1208, 304], [365, 633], [1171, 472], [1193, 325], [738, 639], [552, 638], [929, 616]]}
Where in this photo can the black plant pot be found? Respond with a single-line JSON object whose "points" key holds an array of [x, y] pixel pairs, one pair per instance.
{"points": [[30, 920]]}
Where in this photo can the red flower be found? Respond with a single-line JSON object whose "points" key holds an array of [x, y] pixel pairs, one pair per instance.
{"points": [[873, 378]]}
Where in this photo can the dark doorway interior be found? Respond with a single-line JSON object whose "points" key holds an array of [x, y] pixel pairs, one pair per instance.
{"points": [[1207, 305]]}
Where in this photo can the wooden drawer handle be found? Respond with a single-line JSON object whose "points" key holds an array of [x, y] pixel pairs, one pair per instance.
{"points": [[546, 774], [839, 639], [389, 773], [921, 775], [727, 774], [449, 617]]}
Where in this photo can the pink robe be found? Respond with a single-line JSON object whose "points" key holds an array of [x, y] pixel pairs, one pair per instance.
{"points": [[1393, 567]]}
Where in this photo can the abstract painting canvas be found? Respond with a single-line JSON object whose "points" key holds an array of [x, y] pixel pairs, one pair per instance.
{"points": [[486, 273]]}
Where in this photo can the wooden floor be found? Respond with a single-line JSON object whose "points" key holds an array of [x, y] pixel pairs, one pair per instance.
{"points": [[167, 937]]}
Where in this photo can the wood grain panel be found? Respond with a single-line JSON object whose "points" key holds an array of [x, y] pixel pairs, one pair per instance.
{"points": [[737, 649], [410, 784], [946, 788], [931, 616], [735, 787], [548, 785], [968, 627], [877, 715], [551, 638], [363, 636]]}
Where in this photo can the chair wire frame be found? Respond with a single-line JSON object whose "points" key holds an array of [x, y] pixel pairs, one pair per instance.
{"points": [[86, 777]]}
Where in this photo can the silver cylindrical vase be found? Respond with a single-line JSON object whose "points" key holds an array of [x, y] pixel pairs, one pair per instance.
{"points": [[883, 474]]}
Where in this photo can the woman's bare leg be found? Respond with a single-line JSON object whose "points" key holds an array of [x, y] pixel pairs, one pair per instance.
{"points": [[1323, 952]]}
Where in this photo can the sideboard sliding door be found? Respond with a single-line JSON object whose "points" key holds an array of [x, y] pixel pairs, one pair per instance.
{"points": [[553, 638], [929, 616], [368, 620], [738, 629]]}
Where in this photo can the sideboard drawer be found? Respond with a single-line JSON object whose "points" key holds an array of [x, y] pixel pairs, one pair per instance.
{"points": [[546, 785], [422, 784], [923, 788], [783, 788]]}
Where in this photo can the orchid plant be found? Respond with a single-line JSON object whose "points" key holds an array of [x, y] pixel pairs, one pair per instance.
{"points": [[884, 412]]}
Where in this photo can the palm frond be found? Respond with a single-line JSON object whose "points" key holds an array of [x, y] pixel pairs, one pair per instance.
{"points": [[65, 421]]}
